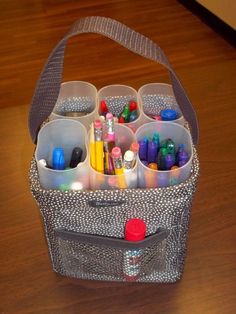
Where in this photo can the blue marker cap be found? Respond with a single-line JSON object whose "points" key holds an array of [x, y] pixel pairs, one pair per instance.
{"points": [[169, 114], [58, 159], [133, 116]]}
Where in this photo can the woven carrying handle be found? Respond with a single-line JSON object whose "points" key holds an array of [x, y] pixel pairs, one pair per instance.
{"points": [[48, 86]]}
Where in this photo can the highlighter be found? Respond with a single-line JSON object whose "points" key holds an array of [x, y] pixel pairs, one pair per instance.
{"points": [[98, 146]]}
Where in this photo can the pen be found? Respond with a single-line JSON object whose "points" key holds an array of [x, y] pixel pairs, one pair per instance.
{"points": [[98, 146], [92, 148]]}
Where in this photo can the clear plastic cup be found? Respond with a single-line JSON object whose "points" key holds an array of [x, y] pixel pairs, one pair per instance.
{"points": [[77, 101], [155, 97], [67, 134], [149, 178], [98, 181], [116, 97]]}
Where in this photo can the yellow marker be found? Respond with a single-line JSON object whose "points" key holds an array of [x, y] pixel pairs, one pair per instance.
{"points": [[98, 146], [92, 148]]}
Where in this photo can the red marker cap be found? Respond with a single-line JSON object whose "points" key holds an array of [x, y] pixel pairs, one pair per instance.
{"points": [[121, 120], [132, 105], [134, 147], [135, 230], [103, 107]]}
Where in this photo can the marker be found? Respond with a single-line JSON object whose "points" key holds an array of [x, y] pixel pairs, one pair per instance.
{"points": [[169, 114], [58, 159], [143, 147], [170, 145], [157, 118], [152, 152], [183, 158], [126, 113], [103, 108], [92, 148], [128, 160], [117, 162], [153, 166], [76, 157], [98, 146], [133, 116], [169, 161], [161, 158], [121, 119], [135, 230], [174, 175], [132, 105]]}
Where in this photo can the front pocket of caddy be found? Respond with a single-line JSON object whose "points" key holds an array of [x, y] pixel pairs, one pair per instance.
{"points": [[105, 258]]}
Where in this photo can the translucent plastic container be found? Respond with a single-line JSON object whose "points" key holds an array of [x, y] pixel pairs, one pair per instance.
{"points": [[77, 101], [155, 97], [67, 134], [98, 181], [116, 97], [148, 178]]}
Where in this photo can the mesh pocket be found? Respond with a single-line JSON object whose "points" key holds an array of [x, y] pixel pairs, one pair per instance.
{"points": [[110, 259]]}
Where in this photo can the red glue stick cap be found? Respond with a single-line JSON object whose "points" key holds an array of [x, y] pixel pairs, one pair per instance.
{"points": [[135, 230]]}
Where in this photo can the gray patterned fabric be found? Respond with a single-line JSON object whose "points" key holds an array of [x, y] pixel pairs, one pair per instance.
{"points": [[166, 208]]}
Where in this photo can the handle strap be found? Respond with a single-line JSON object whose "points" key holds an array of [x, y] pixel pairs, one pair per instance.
{"points": [[48, 86]]}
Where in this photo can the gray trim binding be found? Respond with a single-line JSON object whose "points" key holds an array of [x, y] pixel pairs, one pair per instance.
{"points": [[48, 85], [158, 237]]}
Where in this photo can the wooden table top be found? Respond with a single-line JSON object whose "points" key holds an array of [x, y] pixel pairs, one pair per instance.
{"points": [[205, 64]]}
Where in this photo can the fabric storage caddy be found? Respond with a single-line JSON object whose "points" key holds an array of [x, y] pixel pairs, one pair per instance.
{"points": [[85, 229]]}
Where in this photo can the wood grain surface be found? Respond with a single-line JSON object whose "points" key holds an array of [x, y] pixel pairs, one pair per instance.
{"points": [[205, 64]]}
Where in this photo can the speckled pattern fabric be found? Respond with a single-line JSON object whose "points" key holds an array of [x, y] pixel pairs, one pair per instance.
{"points": [[159, 261]]}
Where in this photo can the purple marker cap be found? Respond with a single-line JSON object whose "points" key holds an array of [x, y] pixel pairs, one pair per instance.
{"points": [[143, 147], [183, 158], [152, 152], [169, 161]]}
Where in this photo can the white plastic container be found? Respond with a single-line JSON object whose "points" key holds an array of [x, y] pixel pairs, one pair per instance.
{"points": [[67, 134], [98, 181], [149, 178], [76, 98], [116, 97], [155, 97]]}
